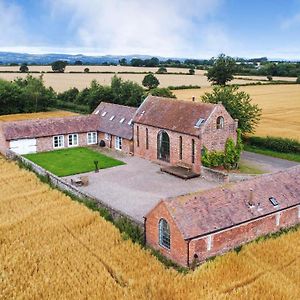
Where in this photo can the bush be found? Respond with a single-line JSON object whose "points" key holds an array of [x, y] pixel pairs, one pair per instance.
{"points": [[283, 145], [129, 230], [298, 79]]}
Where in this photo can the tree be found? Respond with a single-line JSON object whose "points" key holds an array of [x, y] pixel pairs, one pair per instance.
{"points": [[222, 70], [137, 62], [78, 63], [123, 62], [59, 66], [68, 95], [24, 68], [150, 81], [162, 70], [192, 71], [86, 70], [162, 92], [298, 79], [238, 104]]}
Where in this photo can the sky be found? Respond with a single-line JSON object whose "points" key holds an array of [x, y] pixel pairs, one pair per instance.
{"points": [[169, 28]]}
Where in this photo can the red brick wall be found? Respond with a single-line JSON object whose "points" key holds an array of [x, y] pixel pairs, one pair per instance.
{"points": [[178, 249], [221, 241], [4, 145], [46, 143], [151, 153], [127, 145], [215, 139]]}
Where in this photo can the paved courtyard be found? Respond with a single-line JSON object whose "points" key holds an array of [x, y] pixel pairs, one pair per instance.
{"points": [[135, 188]]}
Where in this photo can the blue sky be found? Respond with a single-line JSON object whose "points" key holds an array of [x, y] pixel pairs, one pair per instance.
{"points": [[173, 28]]}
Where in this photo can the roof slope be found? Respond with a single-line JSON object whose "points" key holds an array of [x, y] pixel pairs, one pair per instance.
{"points": [[203, 212], [172, 114], [106, 111], [49, 127]]}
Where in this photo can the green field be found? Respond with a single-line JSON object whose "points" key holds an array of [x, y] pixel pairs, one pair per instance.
{"points": [[72, 161]]}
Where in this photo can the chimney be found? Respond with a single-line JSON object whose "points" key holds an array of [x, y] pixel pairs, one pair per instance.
{"points": [[193, 98], [251, 201]]}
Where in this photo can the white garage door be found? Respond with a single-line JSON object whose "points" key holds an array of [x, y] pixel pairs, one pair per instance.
{"points": [[23, 146]]}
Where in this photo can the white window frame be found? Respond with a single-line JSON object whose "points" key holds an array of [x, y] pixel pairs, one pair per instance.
{"points": [[92, 138], [60, 141], [164, 238], [107, 136], [118, 143], [72, 144]]}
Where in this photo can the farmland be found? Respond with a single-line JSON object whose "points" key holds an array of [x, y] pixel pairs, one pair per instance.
{"points": [[280, 107], [39, 115], [52, 247]]}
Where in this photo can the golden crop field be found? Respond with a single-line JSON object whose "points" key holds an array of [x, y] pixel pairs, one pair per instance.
{"points": [[54, 248], [38, 115], [280, 107]]}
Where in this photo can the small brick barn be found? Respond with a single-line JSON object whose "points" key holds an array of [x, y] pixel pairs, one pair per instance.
{"points": [[174, 132], [189, 229]]}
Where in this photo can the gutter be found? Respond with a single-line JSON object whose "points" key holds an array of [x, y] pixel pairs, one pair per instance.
{"points": [[240, 223]]}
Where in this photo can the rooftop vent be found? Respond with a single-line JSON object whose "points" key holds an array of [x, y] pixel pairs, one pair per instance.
{"points": [[122, 120], [103, 114], [199, 122], [111, 118], [142, 113], [273, 201], [97, 112]]}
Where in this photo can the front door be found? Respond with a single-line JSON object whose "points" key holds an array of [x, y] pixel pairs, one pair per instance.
{"points": [[163, 146]]}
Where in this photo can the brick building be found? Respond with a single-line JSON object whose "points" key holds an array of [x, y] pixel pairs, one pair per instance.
{"points": [[174, 132], [198, 226]]}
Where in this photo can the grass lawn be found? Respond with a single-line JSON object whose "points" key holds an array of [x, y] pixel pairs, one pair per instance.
{"points": [[249, 169], [288, 156], [72, 161]]}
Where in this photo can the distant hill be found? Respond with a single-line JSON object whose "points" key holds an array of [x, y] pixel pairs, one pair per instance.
{"points": [[7, 58]]}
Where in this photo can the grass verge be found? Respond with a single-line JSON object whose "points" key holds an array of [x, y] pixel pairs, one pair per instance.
{"points": [[287, 156], [72, 161]]}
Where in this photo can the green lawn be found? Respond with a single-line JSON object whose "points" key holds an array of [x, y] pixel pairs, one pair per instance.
{"points": [[288, 156], [249, 169], [72, 161]]}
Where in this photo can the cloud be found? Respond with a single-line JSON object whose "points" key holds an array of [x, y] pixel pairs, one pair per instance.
{"points": [[291, 22], [11, 28], [157, 27]]}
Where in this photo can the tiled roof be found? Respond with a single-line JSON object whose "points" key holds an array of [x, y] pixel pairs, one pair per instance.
{"points": [[114, 119], [208, 211], [49, 127], [172, 114]]}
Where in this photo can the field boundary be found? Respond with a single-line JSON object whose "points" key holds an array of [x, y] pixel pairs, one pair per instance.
{"points": [[63, 185]]}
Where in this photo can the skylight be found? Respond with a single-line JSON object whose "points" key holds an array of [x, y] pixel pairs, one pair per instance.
{"points": [[111, 118], [199, 122], [273, 201], [104, 113], [122, 120], [97, 112]]}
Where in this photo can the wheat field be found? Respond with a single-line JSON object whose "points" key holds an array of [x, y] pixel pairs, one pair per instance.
{"points": [[38, 115], [280, 107], [54, 248]]}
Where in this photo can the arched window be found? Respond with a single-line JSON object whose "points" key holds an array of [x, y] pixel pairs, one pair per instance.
{"points": [[147, 139], [164, 234], [163, 146], [220, 122], [180, 147], [193, 151]]}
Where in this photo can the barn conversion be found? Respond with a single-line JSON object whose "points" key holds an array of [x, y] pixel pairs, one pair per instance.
{"points": [[197, 226]]}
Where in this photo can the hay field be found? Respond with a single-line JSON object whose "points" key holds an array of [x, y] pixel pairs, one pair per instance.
{"points": [[63, 81], [39, 115], [280, 107], [54, 248]]}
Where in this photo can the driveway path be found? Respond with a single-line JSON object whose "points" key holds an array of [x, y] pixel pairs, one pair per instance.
{"points": [[266, 163]]}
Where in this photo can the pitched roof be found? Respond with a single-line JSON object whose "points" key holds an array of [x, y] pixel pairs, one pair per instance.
{"points": [[219, 208], [49, 127], [172, 114], [120, 124]]}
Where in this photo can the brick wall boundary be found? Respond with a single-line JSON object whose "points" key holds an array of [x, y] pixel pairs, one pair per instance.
{"points": [[63, 185]]}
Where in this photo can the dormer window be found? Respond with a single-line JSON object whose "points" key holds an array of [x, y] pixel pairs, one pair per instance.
{"points": [[97, 112], [104, 114], [130, 122], [220, 122], [111, 118], [122, 120]]}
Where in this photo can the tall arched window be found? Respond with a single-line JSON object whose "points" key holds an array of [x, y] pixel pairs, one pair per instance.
{"points": [[180, 147], [163, 146], [193, 151], [147, 139], [164, 234], [220, 122]]}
